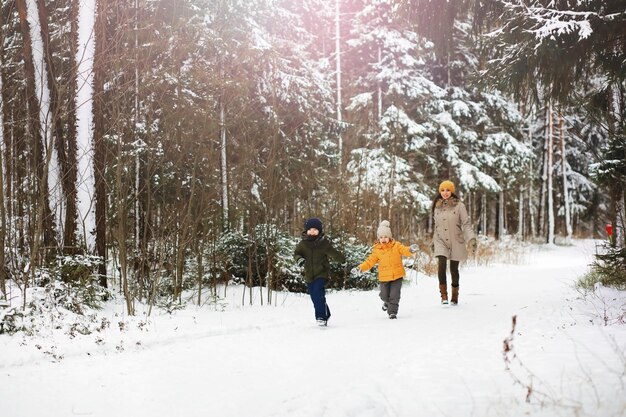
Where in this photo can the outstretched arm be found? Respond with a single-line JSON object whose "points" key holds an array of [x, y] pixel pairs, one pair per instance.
{"points": [[404, 250], [369, 262]]}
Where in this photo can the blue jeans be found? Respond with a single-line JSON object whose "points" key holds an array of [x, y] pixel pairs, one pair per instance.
{"points": [[317, 291]]}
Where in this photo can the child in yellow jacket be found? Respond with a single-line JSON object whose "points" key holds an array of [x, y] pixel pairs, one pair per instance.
{"points": [[387, 253]]}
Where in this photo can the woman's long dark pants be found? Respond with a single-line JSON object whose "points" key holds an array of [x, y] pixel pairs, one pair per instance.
{"points": [[454, 271]]}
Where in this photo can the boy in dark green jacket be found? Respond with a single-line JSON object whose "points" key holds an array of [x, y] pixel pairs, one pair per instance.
{"points": [[313, 252]]}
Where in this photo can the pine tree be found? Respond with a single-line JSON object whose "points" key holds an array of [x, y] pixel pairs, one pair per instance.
{"points": [[561, 44]]}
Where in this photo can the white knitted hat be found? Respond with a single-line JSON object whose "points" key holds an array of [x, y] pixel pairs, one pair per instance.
{"points": [[384, 230]]}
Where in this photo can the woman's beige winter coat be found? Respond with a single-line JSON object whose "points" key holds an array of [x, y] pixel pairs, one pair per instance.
{"points": [[453, 229]]}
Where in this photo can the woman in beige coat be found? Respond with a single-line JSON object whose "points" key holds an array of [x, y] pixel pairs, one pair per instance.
{"points": [[453, 234]]}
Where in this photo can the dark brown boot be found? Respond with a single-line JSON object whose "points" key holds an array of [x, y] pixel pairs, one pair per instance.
{"points": [[455, 296], [443, 289]]}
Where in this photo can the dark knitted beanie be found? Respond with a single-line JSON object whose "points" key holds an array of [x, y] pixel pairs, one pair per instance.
{"points": [[313, 223]]}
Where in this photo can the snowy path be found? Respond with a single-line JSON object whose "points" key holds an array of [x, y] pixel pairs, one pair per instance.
{"points": [[432, 361]]}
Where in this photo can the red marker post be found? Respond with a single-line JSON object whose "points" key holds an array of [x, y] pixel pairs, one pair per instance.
{"points": [[609, 232]]}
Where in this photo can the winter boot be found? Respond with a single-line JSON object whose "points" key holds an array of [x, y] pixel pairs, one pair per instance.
{"points": [[393, 316], [322, 322], [443, 289], [455, 296], [384, 306]]}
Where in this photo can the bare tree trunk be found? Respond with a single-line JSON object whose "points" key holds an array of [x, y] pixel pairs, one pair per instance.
{"points": [[392, 183], [483, 214], [532, 209], [121, 215], [566, 195], [7, 128], [269, 279], [200, 271], [544, 174], [392, 179], [501, 226], [3, 222], [63, 88], [224, 166], [6, 156], [99, 145], [71, 172], [137, 111], [338, 70], [520, 215], [81, 118], [357, 208], [185, 232], [618, 194], [44, 230], [379, 89], [550, 147]]}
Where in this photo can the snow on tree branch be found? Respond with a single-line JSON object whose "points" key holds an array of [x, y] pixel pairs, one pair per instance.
{"points": [[548, 22]]}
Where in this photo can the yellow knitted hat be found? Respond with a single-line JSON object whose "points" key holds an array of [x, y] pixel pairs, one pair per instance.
{"points": [[446, 185]]}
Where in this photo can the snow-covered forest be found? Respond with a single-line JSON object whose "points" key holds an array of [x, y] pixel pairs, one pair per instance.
{"points": [[150, 147], [158, 159]]}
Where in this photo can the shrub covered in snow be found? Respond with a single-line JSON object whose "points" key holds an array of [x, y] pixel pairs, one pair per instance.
{"points": [[69, 287], [268, 255], [607, 269], [355, 253]]}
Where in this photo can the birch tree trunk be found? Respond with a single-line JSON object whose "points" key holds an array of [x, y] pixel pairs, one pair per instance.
{"points": [[85, 186], [224, 166], [379, 104], [338, 69]]}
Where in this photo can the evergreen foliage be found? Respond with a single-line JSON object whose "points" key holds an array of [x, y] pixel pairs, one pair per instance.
{"points": [[607, 269]]}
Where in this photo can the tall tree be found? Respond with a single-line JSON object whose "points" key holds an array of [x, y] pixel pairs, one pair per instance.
{"points": [[549, 170], [566, 193], [83, 76], [43, 234], [3, 219], [102, 44], [59, 53]]}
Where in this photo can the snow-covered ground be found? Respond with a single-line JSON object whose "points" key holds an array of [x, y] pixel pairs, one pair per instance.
{"points": [[568, 351]]}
